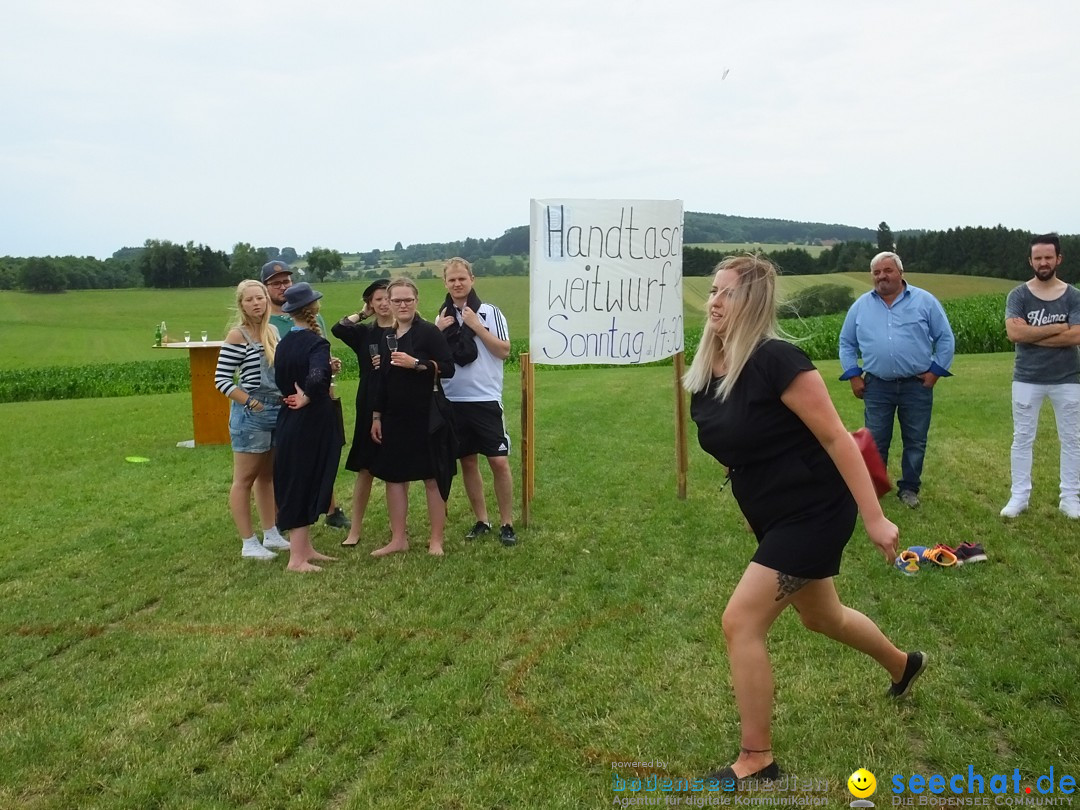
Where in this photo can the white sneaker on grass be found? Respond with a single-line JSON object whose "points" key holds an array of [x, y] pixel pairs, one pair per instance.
{"points": [[1014, 507], [272, 538], [1070, 507], [254, 550]]}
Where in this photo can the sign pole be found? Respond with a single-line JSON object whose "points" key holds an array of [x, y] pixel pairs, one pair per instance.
{"points": [[528, 476]]}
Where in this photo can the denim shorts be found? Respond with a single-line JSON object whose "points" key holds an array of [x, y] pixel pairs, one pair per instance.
{"points": [[250, 431]]}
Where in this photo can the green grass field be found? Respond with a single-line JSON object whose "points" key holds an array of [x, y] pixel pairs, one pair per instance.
{"points": [[756, 247], [144, 664], [90, 326]]}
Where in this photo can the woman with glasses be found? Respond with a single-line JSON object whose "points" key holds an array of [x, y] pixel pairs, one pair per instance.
{"points": [[414, 355], [365, 338]]}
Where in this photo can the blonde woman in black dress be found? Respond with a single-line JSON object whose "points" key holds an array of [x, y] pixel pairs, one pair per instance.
{"points": [[308, 441], [763, 411]]}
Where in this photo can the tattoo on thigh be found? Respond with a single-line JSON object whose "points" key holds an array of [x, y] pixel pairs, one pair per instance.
{"points": [[787, 585]]}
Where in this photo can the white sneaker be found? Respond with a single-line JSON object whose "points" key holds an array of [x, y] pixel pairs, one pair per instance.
{"points": [[255, 551], [274, 540], [1070, 507], [1014, 507]]}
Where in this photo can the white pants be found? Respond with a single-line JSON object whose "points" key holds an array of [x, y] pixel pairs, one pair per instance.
{"points": [[1027, 400]]}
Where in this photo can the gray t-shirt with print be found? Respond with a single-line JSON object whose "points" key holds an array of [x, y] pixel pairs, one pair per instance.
{"points": [[1045, 365]]}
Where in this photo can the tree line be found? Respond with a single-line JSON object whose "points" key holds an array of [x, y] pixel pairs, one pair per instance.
{"points": [[995, 252]]}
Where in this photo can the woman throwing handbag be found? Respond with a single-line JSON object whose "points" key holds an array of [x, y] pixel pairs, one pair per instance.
{"points": [[763, 410]]}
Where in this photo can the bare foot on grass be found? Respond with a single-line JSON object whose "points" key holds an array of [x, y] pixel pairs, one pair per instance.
{"points": [[393, 547], [303, 568], [317, 556], [434, 548]]}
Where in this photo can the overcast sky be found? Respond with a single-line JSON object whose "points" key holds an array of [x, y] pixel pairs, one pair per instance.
{"points": [[354, 125]]}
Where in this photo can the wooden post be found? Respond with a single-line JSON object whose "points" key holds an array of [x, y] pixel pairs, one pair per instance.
{"points": [[681, 464], [528, 478]]}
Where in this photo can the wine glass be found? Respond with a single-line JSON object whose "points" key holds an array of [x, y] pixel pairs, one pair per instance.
{"points": [[187, 337], [391, 342], [204, 335]]}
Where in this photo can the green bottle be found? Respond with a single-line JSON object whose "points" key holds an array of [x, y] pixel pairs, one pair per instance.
{"points": [[157, 336]]}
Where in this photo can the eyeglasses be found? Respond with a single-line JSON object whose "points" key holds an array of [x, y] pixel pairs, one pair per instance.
{"points": [[398, 302], [283, 283]]}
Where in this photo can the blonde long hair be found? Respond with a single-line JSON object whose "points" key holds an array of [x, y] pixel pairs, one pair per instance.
{"points": [[308, 315], [750, 315], [261, 330]]}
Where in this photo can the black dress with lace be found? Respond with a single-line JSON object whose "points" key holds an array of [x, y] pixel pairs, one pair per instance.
{"points": [[359, 337], [308, 446]]}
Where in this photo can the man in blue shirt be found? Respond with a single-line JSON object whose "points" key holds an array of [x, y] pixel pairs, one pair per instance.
{"points": [[906, 344]]}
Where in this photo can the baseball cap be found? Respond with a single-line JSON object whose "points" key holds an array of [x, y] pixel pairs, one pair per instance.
{"points": [[274, 268]]}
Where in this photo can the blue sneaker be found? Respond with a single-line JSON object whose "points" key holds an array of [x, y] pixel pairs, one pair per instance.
{"points": [[908, 562]]}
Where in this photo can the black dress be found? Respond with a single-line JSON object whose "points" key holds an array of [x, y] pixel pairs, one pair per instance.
{"points": [[787, 486], [308, 444], [358, 336], [403, 396]]}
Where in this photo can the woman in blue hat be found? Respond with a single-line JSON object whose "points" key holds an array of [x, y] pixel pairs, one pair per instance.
{"points": [[308, 444]]}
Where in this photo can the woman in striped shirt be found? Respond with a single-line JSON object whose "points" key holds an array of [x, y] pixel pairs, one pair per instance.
{"points": [[245, 375]]}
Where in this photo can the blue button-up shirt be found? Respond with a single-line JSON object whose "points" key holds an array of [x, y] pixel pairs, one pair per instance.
{"points": [[908, 338]]}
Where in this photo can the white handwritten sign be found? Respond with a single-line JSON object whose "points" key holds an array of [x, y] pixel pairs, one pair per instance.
{"points": [[605, 281]]}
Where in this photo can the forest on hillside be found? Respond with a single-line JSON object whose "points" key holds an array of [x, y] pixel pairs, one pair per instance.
{"points": [[997, 252]]}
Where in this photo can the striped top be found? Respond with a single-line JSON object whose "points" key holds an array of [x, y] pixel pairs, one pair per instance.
{"points": [[238, 366]]}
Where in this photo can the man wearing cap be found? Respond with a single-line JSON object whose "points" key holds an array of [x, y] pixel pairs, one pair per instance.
{"points": [[479, 341], [906, 345], [277, 276]]}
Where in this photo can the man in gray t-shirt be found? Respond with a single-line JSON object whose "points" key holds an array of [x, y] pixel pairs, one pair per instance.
{"points": [[1042, 317]]}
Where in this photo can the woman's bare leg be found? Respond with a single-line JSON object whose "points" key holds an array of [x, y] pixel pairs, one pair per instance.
{"points": [[360, 498], [436, 509], [397, 505]]}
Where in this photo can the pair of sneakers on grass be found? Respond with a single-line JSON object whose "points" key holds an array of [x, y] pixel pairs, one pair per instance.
{"points": [[940, 555], [506, 532]]}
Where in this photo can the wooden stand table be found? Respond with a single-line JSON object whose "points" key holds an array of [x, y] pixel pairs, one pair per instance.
{"points": [[209, 409]]}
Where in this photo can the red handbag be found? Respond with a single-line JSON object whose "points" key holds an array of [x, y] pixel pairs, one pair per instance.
{"points": [[874, 465]]}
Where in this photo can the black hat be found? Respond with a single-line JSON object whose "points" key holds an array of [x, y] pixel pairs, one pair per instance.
{"points": [[299, 296], [274, 268], [374, 287]]}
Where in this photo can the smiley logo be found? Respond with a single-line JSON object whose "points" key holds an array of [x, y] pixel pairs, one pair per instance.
{"points": [[862, 784]]}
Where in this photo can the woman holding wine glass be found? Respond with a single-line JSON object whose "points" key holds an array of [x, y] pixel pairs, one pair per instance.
{"points": [[415, 357], [364, 337]]}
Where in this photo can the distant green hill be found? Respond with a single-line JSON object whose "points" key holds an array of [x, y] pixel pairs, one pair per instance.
{"points": [[700, 227]]}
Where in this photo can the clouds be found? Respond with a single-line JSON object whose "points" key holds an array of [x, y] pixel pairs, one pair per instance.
{"points": [[358, 125]]}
